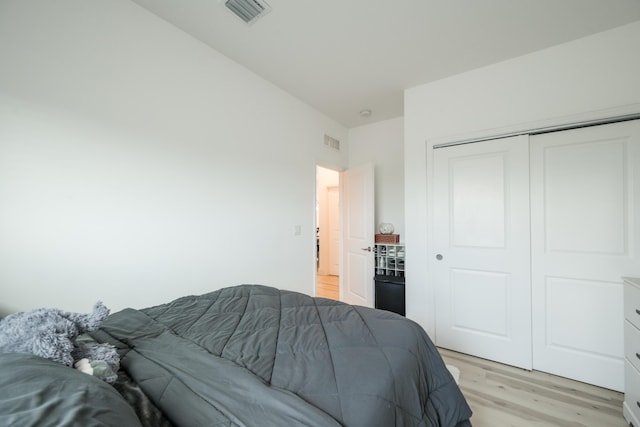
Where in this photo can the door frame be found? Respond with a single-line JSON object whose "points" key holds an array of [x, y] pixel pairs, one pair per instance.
{"points": [[559, 124], [323, 213], [339, 171], [341, 208], [421, 303]]}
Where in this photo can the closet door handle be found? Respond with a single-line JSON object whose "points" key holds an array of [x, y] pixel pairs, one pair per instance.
{"points": [[368, 249]]}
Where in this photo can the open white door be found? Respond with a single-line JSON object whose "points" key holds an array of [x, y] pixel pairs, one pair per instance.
{"points": [[358, 230]]}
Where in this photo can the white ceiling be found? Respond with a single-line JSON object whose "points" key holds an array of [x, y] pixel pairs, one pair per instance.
{"points": [[342, 56]]}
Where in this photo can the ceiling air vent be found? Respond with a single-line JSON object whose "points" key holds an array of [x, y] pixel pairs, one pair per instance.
{"points": [[331, 142], [248, 10]]}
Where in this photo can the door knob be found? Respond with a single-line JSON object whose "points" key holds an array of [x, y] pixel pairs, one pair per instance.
{"points": [[439, 257], [368, 249]]}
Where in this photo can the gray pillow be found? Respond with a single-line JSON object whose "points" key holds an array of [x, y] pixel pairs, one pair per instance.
{"points": [[38, 392]]}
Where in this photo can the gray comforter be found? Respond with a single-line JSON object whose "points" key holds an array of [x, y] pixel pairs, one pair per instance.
{"points": [[257, 356]]}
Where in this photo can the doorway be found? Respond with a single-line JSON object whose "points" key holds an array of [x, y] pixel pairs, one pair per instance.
{"points": [[327, 233]]}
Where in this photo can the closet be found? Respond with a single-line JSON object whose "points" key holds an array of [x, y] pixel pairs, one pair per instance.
{"points": [[532, 235]]}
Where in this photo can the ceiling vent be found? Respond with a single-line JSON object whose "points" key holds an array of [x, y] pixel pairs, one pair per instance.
{"points": [[331, 142], [248, 10]]}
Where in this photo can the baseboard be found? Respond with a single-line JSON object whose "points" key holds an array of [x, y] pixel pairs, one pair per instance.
{"points": [[629, 416]]}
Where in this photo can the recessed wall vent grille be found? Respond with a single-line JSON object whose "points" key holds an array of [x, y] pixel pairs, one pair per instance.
{"points": [[248, 10], [331, 142]]}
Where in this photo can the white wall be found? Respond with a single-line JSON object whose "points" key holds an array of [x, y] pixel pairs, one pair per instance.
{"points": [[381, 144], [592, 77], [138, 165]]}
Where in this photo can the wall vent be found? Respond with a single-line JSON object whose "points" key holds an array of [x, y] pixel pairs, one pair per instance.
{"points": [[331, 142], [248, 10]]}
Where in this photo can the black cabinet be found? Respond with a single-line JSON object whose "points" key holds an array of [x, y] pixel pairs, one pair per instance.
{"points": [[389, 292]]}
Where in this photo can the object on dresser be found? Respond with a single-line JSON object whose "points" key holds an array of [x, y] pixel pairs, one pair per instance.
{"points": [[389, 278], [390, 259], [385, 228], [387, 238]]}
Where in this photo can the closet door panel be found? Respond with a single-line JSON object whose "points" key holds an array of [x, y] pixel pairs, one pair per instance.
{"points": [[584, 204], [576, 175], [478, 200], [481, 236], [582, 326]]}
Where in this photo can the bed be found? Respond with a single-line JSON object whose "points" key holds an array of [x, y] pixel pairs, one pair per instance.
{"points": [[246, 355]]}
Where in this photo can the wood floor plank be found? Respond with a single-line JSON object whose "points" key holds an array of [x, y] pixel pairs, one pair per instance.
{"points": [[502, 395], [328, 287]]}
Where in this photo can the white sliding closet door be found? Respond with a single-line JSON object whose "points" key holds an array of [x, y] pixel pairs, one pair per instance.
{"points": [[585, 201], [481, 239]]}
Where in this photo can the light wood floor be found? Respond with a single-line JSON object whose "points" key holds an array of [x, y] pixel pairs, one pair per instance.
{"points": [[328, 287], [504, 396]]}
